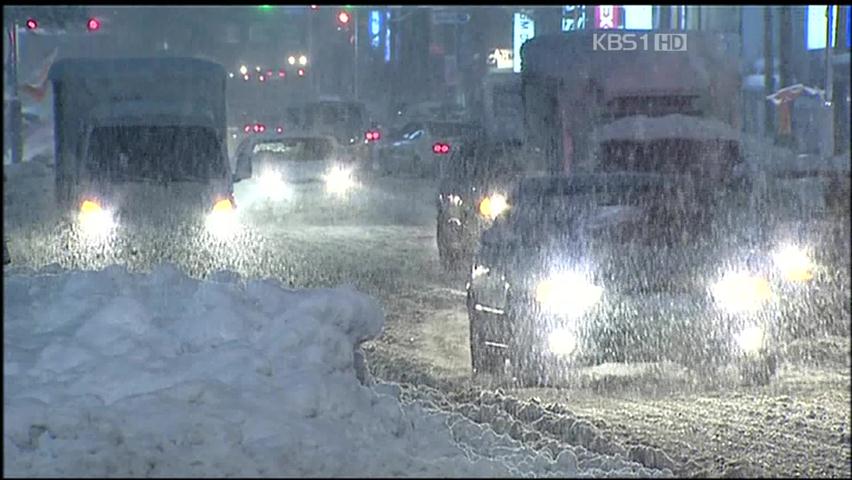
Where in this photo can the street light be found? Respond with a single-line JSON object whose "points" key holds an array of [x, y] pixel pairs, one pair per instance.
{"points": [[343, 18]]}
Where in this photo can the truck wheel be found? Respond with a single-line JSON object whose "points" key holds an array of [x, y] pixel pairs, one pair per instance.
{"points": [[759, 371]]}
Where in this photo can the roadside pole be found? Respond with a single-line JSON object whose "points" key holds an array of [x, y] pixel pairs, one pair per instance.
{"points": [[15, 126], [828, 141]]}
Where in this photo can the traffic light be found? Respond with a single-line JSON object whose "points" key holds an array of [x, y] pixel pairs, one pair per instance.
{"points": [[343, 18], [93, 24], [32, 24]]}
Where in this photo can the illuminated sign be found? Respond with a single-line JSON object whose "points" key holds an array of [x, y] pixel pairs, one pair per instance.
{"points": [[501, 58], [607, 16], [573, 17], [524, 29], [387, 37], [375, 28], [638, 17], [815, 24]]}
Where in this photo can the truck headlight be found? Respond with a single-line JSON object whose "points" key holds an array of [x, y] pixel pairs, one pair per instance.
{"points": [[493, 205], [222, 220], [338, 180], [750, 339], [95, 221], [794, 263], [567, 293], [740, 292]]}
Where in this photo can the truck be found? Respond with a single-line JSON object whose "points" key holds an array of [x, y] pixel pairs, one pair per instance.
{"points": [[502, 107], [140, 137], [571, 87]]}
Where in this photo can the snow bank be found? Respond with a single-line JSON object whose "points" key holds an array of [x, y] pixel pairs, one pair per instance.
{"points": [[116, 374]]}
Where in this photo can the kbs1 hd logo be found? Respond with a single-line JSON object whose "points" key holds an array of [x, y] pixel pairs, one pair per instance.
{"points": [[631, 42]]}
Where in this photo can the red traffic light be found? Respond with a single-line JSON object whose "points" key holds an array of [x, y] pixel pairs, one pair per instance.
{"points": [[343, 18], [93, 24], [32, 24]]}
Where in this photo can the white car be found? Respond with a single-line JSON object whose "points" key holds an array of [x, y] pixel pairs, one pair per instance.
{"points": [[419, 147], [291, 169]]}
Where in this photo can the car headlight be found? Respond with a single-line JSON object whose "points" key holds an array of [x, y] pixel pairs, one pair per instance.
{"points": [[338, 180], [750, 339], [272, 185], [794, 263], [493, 205], [567, 293], [222, 220], [94, 220], [740, 292], [454, 200]]}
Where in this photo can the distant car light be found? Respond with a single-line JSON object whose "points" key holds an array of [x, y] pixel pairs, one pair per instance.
{"points": [[739, 292], [282, 74], [301, 72], [794, 263], [246, 77], [247, 129], [567, 293], [272, 185], [303, 60], [291, 60], [243, 70], [338, 180], [279, 129]]}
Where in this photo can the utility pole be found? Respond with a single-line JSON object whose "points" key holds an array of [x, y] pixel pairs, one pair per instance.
{"points": [[14, 113], [355, 57], [768, 71], [829, 85], [784, 50]]}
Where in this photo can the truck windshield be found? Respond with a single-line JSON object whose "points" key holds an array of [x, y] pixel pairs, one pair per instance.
{"points": [[154, 153]]}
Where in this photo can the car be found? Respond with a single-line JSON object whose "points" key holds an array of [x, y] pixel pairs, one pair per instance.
{"points": [[292, 168], [419, 147], [594, 268], [141, 141], [472, 193]]}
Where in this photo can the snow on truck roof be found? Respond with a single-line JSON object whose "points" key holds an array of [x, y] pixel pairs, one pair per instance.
{"points": [[102, 67], [643, 128]]}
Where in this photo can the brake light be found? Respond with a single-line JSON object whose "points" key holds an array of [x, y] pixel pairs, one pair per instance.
{"points": [[259, 128], [372, 135], [247, 129], [441, 148], [282, 74]]}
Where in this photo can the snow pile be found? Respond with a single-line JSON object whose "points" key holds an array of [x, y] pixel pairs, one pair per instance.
{"points": [[117, 374]]}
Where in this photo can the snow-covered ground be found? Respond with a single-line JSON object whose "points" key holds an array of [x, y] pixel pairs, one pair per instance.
{"points": [[118, 374]]}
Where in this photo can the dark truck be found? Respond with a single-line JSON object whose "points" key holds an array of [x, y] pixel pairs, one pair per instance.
{"points": [[140, 139]]}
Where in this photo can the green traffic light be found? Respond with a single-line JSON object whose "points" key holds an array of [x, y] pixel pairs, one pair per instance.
{"points": [[265, 7]]}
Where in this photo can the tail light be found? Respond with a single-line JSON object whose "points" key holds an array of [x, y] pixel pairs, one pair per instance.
{"points": [[441, 148], [372, 135], [279, 129], [247, 129], [301, 72], [259, 128]]}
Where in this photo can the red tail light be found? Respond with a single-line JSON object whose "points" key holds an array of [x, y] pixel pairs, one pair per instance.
{"points": [[282, 74], [441, 148], [368, 136], [259, 127], [247, 129], [377, 135], [301, 72]]}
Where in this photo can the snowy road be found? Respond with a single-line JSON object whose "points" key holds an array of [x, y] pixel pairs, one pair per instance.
{"points": [[382, 242]]}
